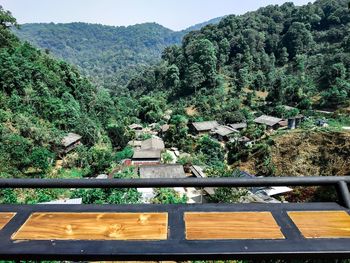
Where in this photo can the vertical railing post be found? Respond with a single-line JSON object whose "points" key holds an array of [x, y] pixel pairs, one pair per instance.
{"points": [[343, 194]]}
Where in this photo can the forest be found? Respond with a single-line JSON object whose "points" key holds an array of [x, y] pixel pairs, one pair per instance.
{"points": [[299, 55], [108, 55], [230, 71]]}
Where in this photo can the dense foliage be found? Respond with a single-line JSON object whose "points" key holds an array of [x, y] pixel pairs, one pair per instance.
{"points": [[41, 100], [108, 55], [299, 55]]}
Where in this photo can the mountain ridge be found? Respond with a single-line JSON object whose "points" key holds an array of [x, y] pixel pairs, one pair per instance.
{"points": [[107, 54]]}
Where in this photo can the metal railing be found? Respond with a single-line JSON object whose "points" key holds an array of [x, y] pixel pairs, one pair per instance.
{"points": [[340, 182]]}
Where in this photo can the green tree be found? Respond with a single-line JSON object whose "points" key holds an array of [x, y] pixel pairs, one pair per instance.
{"points": [[152, 108], [41, 158], [211, 149], [298, 39], [167, 196], [6, 22]]}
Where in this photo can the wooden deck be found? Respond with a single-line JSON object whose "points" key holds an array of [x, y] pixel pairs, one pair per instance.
{"points": [[322, 224], [5, 218], [173, 232], [94, 226], [237, 225]]}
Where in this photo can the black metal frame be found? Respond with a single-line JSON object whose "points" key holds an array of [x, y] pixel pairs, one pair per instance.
{"points": [[177, 247]]}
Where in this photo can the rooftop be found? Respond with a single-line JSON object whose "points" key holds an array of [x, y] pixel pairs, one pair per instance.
{"points": [[70, 139], [135, 143], [153, 143], [267, 120], [198, 171], [205, 125], [224, 130], [162, 171], [242, 125], [147, 154]]}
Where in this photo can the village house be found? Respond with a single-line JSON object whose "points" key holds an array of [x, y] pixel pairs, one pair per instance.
{"points": [[204, 127], [135, 144], [153, 143], [238, 126], [160, 171], [272, 123], [283, 124], [198, 171], [148, 152], [294, 122], [70, 142], [242, 141], [146, 157], [264, 194], [222, 133], [168, 171]]}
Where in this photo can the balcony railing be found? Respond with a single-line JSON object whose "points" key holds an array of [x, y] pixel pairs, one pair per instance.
{"points": [[176, 232]]}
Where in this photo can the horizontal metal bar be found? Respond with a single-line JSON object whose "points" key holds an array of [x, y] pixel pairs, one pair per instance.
{"points": [[185, 182]]}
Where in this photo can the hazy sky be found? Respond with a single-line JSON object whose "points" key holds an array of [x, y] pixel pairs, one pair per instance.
{"points": [[174, 14]]}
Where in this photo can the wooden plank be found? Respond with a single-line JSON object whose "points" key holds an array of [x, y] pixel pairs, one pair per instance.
{"points": [[94, 226], [233, 225], [322, 224], [5, 218]]}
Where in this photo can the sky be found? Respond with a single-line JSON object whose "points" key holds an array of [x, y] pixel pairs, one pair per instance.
{"points": [[173, 14]]}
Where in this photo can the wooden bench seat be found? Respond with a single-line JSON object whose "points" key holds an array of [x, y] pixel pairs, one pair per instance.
{"points": [[5, 218], [173, 232], [322, 224]]}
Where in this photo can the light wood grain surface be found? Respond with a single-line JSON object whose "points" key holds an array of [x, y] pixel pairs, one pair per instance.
{"points": [[235, 225], [5, 218], [322, 224], [94, 226]]}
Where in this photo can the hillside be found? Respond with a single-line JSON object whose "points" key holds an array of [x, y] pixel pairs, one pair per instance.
{"points": [[108, 55], [305, 153], [105, 53], [41, 101], [299, 56]]}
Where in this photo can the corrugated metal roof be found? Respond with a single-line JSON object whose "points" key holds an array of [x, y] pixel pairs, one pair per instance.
{"points": [[153, 143], [147, 154], [162, 171], [267, 120], [224, 130], [205, 125], [70, 139]]}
